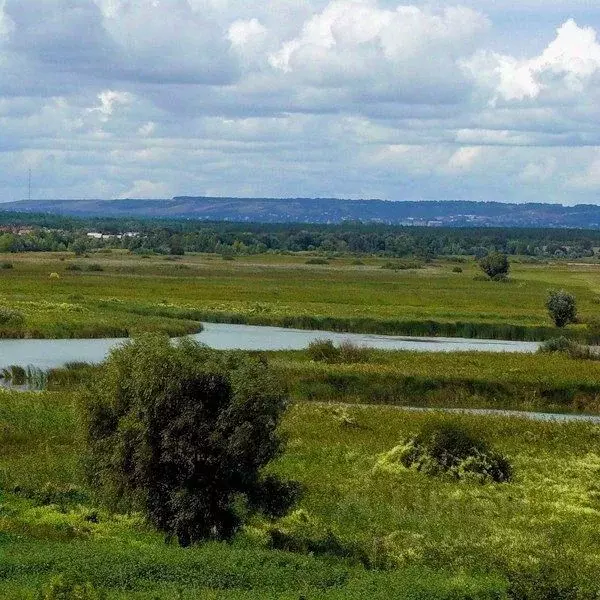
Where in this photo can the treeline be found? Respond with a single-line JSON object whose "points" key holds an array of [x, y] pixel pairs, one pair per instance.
{"points": [[44, 232]]}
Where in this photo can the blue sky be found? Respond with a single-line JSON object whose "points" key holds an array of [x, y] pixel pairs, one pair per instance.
{"points": [[496, 100]]}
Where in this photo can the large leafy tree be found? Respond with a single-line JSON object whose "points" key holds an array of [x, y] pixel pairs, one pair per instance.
{"points": [[183, 433]]}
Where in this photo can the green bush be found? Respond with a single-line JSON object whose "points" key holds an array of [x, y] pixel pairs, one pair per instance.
{"points": [[445, 447], [6, 265], [316, 261], [346, 352], [495, 265], [11, 317], [323, 351], [73, 267], [94, 267], [402, 265], [183, 433], [569, 347], [68, 588], [562, 307], [457, 270]]}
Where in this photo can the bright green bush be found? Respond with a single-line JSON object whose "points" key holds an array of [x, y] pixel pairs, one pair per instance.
{"points": [[449, 448], [68, 588]]}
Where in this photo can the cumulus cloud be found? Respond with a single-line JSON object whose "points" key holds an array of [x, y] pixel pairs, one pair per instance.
{"points": [[406, 54], [566, 67], [356, 98]]}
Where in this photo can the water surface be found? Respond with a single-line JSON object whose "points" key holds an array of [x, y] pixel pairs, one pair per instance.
{"points": [[46, 354]]}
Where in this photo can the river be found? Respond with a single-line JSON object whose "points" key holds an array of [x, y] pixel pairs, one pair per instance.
{"points": [[46, 354]]}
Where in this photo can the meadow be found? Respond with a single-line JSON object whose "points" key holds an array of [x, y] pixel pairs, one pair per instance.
{"points": [[115, 293], [360, 530], [365, 527]]}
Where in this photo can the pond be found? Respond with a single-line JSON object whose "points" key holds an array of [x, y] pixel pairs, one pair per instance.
{"points": [[46, 354]]}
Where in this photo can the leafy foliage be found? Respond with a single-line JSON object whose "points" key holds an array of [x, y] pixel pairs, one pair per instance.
{"points": [[183, 433], [68, 588], [447, 447], [11, 317], [562, 307], [495, 265]]}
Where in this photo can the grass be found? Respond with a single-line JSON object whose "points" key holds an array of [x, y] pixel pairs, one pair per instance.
{"points": [[547, 382], [374, 533], [136, 293]]}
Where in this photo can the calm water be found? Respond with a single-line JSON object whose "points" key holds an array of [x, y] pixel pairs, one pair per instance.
{"points": [[45, 354]]}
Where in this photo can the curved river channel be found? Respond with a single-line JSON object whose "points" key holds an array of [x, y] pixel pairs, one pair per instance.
{"points": [[47, 354]]}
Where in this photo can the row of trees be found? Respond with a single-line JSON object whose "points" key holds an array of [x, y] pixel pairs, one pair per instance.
{"points": [[52, 232]]}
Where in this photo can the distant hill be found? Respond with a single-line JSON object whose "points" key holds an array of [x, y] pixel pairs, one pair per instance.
{"points": [[326, 210]]}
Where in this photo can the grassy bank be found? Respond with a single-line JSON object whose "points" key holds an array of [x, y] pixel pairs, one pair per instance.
{"points": [[372, 533], [531, 382], [116, 293], [537, 382]]}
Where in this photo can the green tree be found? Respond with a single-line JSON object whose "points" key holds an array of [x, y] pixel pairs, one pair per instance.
{"points": [[495, 265], [183, 433], [562, 307], [79, 246]]}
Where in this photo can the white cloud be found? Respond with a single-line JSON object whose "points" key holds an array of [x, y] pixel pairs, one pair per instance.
{"points": [[566, 66], [590, 178], [336, 97], [242, 34], [398, 54], [464, 158], [143, 188], [539, 171], [109, 100]]}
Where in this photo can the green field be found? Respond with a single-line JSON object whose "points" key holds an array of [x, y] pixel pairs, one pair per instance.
{"points": [[129, 293], [360, 531]]}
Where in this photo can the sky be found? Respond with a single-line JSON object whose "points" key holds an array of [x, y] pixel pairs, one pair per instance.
{"points": [[480, 100]]}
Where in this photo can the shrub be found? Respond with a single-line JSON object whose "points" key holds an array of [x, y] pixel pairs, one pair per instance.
{"points": [[495, 265], [183, 433], [357, 263], [54, 276], [68, 588], [94, 267], [16, 374], [402, 265], [323, 351], [73, 267], [449, 448], [317, 261], [227, 257], [559, 344], [11, 317], [569, 347], [346, 352], [349, 352], [562, 307], [7, 265], [457, 270]]}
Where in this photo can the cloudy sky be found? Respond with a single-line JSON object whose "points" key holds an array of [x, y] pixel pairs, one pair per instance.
{"points": [[483, 100]]}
